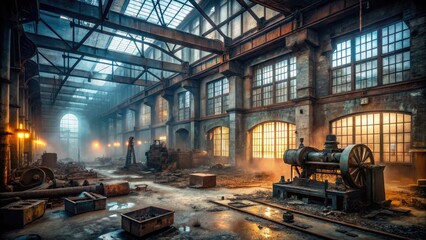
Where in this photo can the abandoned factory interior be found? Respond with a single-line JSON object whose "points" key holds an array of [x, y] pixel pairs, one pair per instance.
{"points": [[212, 119]]}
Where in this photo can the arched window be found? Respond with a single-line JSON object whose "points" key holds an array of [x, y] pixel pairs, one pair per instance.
{"points": [[387, 134], [68, 134], [271, 139], [221, 142]]}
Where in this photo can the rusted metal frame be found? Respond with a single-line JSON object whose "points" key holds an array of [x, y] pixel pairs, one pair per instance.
{"points": [[205, 16], [248, 9], [98, 76], [67, 75], [56, 44], [88, 34], [50, 81], [171, 54], [70, 98], [47, 90], [53, 30], [229, 19], [285, 10], [132, 25], [159, 15], [155, 76], [139, 75], [50, 62]]}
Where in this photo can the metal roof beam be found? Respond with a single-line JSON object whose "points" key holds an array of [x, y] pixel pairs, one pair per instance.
{"points": [[87, 12], [100, 76], [59, 45]]}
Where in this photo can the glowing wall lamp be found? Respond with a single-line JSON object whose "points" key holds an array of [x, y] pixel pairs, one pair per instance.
{"points": [[22, 134]]}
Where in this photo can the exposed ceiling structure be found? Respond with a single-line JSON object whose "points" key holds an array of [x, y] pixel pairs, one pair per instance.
{"points": [[88, 49]]}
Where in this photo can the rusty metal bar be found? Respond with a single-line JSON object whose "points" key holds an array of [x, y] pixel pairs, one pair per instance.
{"points": [[331, 220], [132, 25], [58, 45]]}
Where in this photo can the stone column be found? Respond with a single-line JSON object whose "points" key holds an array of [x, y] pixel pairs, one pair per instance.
{"points": [[4, 103], [237, 137], [193, 87], [303, 44], [169, 97]]}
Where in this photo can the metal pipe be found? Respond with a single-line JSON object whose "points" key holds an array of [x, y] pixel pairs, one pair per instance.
{"points": [[109, 189], [4, 103]]}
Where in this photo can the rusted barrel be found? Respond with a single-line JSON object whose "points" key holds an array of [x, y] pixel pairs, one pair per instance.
{"points": [[115, 188]]}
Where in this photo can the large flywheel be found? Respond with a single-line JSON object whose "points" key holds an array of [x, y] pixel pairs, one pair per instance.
{"points": [[353, 163]]}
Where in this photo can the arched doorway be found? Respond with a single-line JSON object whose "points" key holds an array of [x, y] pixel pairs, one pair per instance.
{"points": [[69, 136], [183, 142]]}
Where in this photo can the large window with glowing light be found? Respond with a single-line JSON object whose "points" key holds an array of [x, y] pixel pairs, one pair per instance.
{"points": [[373, 58], [163, 110], [271, 139], [274, 82], [145, 116], [387, 134], [69, 135], [221, 142]]}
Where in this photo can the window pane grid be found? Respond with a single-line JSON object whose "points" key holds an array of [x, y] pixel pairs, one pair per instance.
{"points": [[342, 54], [217, 97], [366, 46], [274, 83], [184, 105], [396, 68], [395, 37], [388, 135], [342, 80], [366, 74], [270, 140]]}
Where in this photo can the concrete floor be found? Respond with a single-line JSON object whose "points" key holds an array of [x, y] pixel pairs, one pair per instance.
{"points": [[190, 205]]}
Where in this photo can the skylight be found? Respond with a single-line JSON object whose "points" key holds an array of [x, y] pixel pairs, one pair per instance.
{"points": [[125, 45], [173, 11], [86, 90]]}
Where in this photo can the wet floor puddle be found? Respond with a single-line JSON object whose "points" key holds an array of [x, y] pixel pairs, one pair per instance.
{"points": [[112, 206]]}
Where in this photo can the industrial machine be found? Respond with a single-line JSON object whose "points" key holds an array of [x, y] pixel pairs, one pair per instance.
{"points": [[157, 156], [357, 178]]}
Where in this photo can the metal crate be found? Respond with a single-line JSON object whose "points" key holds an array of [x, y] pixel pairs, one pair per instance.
{"points": [[146, 220], [87, 202]]}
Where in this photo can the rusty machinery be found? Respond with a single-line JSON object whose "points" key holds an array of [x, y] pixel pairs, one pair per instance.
{"points": [[353, 165], [157, 156]]}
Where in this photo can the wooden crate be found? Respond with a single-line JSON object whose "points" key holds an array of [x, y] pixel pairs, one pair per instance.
{"points": [[202, 180], [87, 202], [146, 220]]}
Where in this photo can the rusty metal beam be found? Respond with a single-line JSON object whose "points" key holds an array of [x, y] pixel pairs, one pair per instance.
{"points": [[87, 12], [100, 76], [50, 81], [67, 75], [59, 45]]}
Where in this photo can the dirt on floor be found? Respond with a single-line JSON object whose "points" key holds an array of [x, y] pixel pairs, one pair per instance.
{"points": [[403, 213]]}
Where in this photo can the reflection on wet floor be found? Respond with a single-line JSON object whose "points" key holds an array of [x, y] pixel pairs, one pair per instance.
{"points": [[118, 206]]}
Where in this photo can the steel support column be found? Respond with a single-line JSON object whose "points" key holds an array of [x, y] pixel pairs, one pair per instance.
{"points": [[4, 104]]}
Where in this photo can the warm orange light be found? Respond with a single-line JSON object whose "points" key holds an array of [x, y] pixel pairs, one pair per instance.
{"points": [[139, 142], [21, 135], [40, 142], [109, 145], [95, 144], [162, 138]]}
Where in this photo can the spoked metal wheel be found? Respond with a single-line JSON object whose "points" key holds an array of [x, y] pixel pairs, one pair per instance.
{"points": [[353, 162]]}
